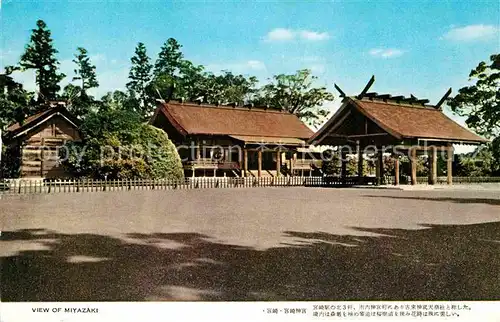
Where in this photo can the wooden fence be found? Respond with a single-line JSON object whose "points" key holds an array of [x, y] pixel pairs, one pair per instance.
{"points": [[443, 180], [26, 186], [20, 186]]}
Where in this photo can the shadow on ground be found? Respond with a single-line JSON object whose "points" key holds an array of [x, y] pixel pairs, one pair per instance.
{"points": [[435, 263], [494, 202]]}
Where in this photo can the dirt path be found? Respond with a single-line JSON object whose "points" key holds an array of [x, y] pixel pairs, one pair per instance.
{"points": [[251, 244]]}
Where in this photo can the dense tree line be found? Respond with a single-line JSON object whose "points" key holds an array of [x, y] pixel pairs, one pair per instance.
{"points": [[116, 119], [172, 76], [480, 104]]}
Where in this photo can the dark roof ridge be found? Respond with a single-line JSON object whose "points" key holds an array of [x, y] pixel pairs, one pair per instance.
{"points": [[261, 109], [401, 104]]}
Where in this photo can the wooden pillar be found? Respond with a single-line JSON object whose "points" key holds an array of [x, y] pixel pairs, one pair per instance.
{"points": [[259, 155], [41, 157], [432, 165], [379, 166], [343, 167], [292, 162], [413, 165], [198, 150], [449, 164], [360, 165], [396, 170], [278, 163], [245, 162]]}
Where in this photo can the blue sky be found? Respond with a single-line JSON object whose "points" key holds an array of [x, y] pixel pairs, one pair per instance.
{"points": [[418, 47]]}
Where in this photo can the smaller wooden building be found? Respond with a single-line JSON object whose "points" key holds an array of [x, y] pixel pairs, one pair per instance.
{"points": [[401, 126], [33, 146]]}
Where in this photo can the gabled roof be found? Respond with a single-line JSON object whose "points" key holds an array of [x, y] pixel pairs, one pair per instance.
{"points": [[416, 121], [31, 121], [196, 119], [405, 121], [15, 126]]}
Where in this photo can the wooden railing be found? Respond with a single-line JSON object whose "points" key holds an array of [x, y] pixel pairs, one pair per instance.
{"points": [[207, 163], [302, 164], [306, 164]]}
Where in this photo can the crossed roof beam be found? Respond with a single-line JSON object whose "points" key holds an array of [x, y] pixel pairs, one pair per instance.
{"points": [[388, 97]]}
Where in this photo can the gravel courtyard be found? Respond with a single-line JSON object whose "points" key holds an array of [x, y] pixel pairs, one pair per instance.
{"points": [[251, 244]]}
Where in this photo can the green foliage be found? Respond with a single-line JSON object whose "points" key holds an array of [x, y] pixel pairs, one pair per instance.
{"points": [[85, 71], [176, 77], [40, 55], [480, 102], [163, 159], [483, 161], [119, 100], [140, 78], [331, 163], [190, 83], [118, 146], [389, 165], [495, 153], [170, 59], [229, 88], [422, 169], [352, 166], [169, 71], [296, 94], [78, 103], [15, 102]]}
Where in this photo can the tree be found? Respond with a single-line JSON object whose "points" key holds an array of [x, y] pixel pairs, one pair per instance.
{"points": [[85, 71], [40, 55], [176, 77], [331, 164], [482, 162], [405, 166], [495, 153], [122, 101], [117, 145], [79, 103], [480, 102], [296, 94], [170, 59], [190, 83], [229, 88], [15, 102], [140, 77]]}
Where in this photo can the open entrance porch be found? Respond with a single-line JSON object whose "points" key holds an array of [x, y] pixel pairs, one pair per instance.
{"points": [[395, 126]]}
